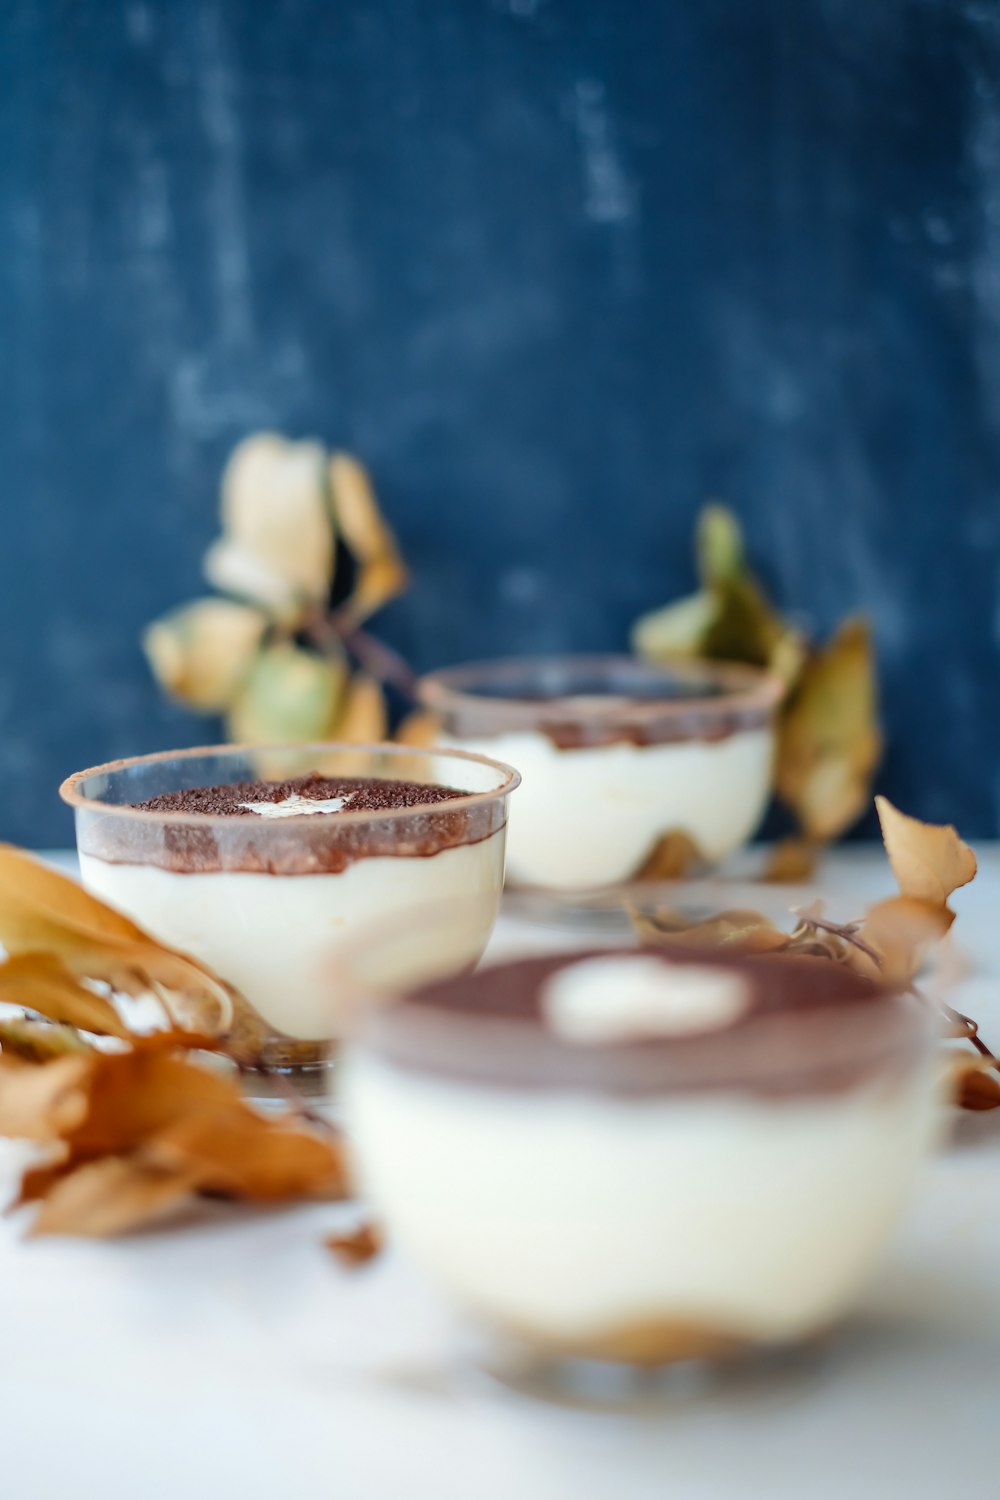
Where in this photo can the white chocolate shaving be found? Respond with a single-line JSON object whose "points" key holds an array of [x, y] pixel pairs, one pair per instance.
{"points": [[293, 806]]}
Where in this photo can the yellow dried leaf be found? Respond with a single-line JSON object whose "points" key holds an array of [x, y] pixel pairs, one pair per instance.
{"points": [[719, 545], [829, 740], [41, 910], [790, 862], [291, 695], [202, 652], [421, 728], [929, 860], [678, 629], [363, 719], [41, 982], [381, 573], [275, 508]]}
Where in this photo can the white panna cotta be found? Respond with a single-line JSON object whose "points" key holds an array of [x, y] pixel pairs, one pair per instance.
{"points": [[269, 899], [578, 1162]]}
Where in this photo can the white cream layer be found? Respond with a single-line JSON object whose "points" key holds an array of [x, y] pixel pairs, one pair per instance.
{"points": [[590, 817], [276, 937], [578, 1215]]}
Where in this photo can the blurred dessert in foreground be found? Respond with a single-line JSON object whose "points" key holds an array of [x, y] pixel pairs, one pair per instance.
{"points": [[264, 879], [615, 754], [626, 1155]]}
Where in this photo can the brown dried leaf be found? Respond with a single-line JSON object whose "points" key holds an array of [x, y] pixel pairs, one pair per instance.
{"points": [[674, 855], [41, 1103], [929, 860], [161, 1127], [902, 930], [734, 931], [975, 1084], [356, 1246], [829, 740], [791, 862], [41, 982], [110, 1196], [240, 1154], [381, 572]]}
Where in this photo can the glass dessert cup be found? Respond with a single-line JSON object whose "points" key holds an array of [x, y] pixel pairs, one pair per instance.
{"points": [[615, 754], [595, 1170], [266, 901]]}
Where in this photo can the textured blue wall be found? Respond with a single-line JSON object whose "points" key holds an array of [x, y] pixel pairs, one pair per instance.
{"points": [[558, 269]]}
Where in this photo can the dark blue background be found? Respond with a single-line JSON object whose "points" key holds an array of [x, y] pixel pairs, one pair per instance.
{"points": [[559, 270]]}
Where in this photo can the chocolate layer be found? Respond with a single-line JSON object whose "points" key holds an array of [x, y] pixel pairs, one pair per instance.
{"points": [[360, 794], [810, 1027], [579, 705], [430, 820]]}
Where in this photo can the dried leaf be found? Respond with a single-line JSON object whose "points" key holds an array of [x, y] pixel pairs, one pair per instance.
{"points": [[41, 910], [674, 855], [363, 719], [202, 652], [421, 728], [735, 931], [108, 1197], [381, 573], [791, 862], [929, 860], [829, 740], [730, 618], [40, 1103], [902, 930], [275, 508], [678, 629], [41, 982], [356, 1246], [719, 546], [159, 1127], [292, 695], [975, 1084], [234, 569], [240, 1154], [37, 1041]]}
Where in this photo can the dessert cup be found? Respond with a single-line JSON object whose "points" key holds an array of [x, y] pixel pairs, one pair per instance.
{"points": [[266, 901], [693, 1159], [615, 754]]}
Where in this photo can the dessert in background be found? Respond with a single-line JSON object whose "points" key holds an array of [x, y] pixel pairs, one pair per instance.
{"points": [[615, 754]]}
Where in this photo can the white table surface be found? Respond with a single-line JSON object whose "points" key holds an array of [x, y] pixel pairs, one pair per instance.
{"points": [[235, 1358]]}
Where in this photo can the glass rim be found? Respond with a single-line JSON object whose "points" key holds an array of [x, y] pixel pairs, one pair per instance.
{"points": [[740, 687], [71, 793]]}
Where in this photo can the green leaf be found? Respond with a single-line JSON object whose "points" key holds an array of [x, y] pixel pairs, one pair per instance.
{"points": [[291, 694]]}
